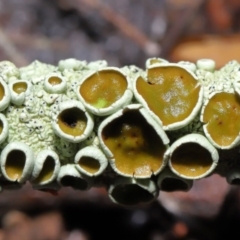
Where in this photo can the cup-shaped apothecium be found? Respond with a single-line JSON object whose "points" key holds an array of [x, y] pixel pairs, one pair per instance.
{"points": [[71, 63], [155, 61], [46, 167], [90, 161], [69, 176], [19, 90], [171, 93], [206, 64], [221, 115], [17, 162], [133, 142], [105, 91], [55, 83], [192, 157], [130, 191], [72, 122], [5, 95], [169, 182], [188, 65], [233, 176]]}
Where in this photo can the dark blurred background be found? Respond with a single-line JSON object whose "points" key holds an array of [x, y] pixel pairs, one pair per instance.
{"points": [[122, 32]]}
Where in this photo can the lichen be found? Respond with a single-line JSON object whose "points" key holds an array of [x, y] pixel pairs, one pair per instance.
{"points": [[32, 103]]}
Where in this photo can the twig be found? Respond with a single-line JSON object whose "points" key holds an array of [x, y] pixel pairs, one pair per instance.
{"points": [[38, 42], [179, 27], [149, 47]]}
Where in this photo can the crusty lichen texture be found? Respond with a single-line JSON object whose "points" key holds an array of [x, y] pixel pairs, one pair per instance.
{"points": [[133, 131]]}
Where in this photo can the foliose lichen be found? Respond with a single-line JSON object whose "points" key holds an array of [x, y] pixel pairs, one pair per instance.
{"points": [[133, 131]]}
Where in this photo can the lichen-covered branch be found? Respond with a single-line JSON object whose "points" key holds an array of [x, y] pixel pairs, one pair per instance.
{"points": [[134, 131]]}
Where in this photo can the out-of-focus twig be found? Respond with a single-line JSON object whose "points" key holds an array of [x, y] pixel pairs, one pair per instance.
{"points": [[11, 51], [38, 42], [147, 45], [179, 27]]}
